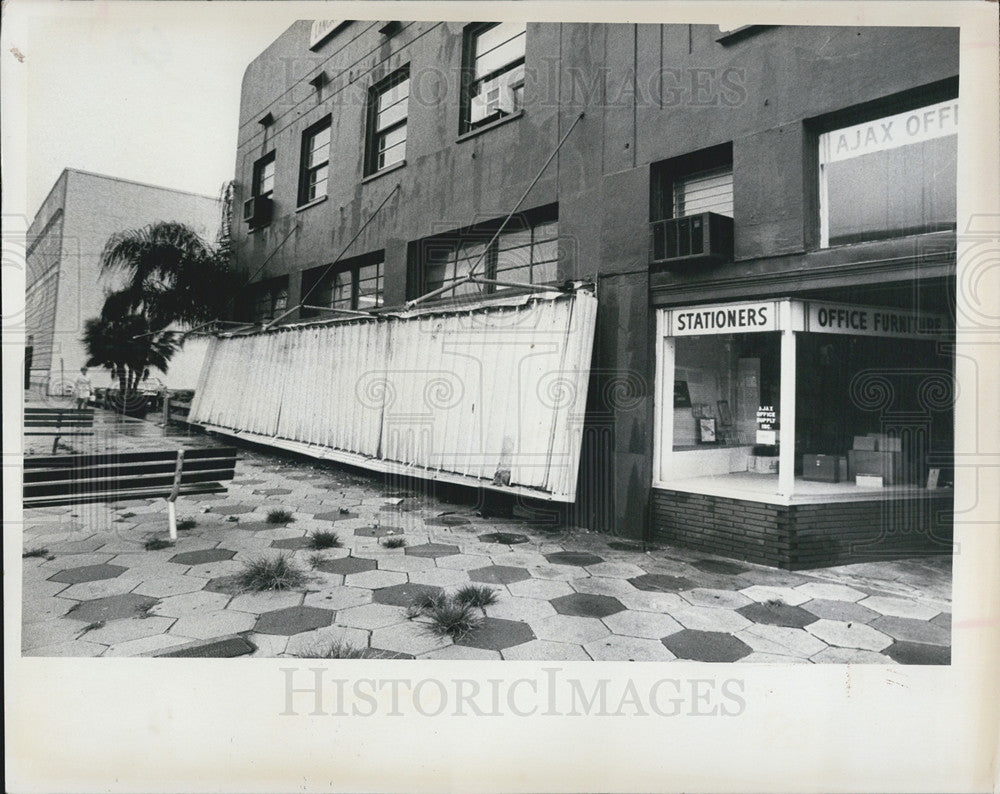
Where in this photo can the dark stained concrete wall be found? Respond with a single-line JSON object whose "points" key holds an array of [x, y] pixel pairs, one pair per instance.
{"points": [[649, 93]]}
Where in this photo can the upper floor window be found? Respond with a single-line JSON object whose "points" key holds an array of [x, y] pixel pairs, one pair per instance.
{"points": [[704, 191], [268, 299], [525, 252], [387, 105], [890, 176], [355, 284], [315, 162], [494, 68], [263, 176]]}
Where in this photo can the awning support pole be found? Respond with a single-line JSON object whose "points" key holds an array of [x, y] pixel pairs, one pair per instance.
{"points": [[472, 270]]}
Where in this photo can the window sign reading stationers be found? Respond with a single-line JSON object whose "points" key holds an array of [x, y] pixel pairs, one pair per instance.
{"points": [[733, 318]]}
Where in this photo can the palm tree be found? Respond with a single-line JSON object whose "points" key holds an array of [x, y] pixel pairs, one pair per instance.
{"points": [[173, 276], [124, 343]]}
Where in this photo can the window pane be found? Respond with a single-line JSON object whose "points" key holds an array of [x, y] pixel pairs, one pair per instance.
{"points": [[500, 36], [546, 252], [513, 258], [499, 95], [706, 191], [513, 238], [392, 156], [496, 59], [370, 287], [392, 138], [546, 231], [390, 115], [543, 272], [391, 96]]}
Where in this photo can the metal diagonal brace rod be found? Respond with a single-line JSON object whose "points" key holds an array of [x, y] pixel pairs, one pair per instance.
{"points": [[472, 271], [335, 261]]}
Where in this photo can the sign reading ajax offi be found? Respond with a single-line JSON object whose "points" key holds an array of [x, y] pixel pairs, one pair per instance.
{"points": [[891, 132], [730, 318]]}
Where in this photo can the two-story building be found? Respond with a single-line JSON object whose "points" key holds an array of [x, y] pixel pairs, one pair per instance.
{"points": [[765, 216]]}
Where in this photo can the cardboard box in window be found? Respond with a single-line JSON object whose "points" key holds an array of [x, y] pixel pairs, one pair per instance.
{"points": [[877, 464], [761, 464], [869, 443], [868, 481], [821, 468]]}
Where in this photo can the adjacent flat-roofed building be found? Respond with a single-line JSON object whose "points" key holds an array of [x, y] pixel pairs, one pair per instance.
{"points": [[64, 284], [767, 216]]}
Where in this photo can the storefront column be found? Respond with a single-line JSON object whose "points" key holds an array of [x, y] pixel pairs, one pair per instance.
{"points": [[663, 415], [786, 417]]}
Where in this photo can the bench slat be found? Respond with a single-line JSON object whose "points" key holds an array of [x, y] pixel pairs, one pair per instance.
{"points": [[71, 461], [107, 483], [120, 469], [114, 496]]}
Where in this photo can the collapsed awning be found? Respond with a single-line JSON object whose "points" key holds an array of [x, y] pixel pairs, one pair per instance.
{"points": [[491, 394]]}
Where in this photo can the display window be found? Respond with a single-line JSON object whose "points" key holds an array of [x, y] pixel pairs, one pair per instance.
{"points": [[782, 399]]}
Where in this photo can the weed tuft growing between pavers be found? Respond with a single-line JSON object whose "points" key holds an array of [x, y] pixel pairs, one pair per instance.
{"points": [[35, 553], [280, 516], [476, 595], [270, 573], [186, 523], [324, 539], [155, 544], [394, 542], [339, 650]]}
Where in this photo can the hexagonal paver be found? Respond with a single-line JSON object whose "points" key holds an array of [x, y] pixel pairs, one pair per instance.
{"points": [[900, 607], [375, 579], [377, 532], [232, 510], [506, 538], [191, 604], [129, 629], [371, 616], [652, 601], [599, 585], [710, 619], [166, 586], [706, 646], [915, 631], [496, 634], [210, 625], [317, 643], [334, 516], [616, 570], [87, 573], [569, 628], [442, 577], [346, 565], [785, 595], [849, 656], [839, 610], [267, 601], [202, 556], [499, 574], [462, 653], [539, 588], [546, 651], [557, 573], [402, 595], [446, 521], [720, 567], [833, 592], [433, 550], [781, 641], [586, 605], [339, 598], [710, 597], [524, 609], [400, 562], [292, 543], [272, 491], [649, 625], [918, 653], [580, 558], [407, 637], [627, 649], [114, 607], [463, 562], [849, 635], [661, 582], [293, 620], [778, 615], [224, 584]]}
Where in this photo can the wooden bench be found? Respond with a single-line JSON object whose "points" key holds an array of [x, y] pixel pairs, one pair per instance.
{"points": [[58, 422], [53, 480]]}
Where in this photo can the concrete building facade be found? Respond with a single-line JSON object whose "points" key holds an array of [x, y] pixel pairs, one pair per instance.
{"points": [[713, 174], [64, 284]]}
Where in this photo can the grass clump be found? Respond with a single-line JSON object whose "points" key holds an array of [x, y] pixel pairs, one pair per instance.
{"points": [[270, 573], [324, 539], [155, 544], [280, 516], [339, 650], [451, 618], [35, 553], [423, 604], [476, 595], [315, 560], [186, 523], [394, 542]]}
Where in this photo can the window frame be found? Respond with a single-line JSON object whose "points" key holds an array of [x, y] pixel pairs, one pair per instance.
{"points": [[666, 174], [269, 159], [269, 291], [305, 169], [374, 135], [469, 81], [353, 266], [482, 234]]}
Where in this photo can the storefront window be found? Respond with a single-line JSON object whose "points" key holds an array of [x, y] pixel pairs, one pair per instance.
{"points": [[889, 177]]}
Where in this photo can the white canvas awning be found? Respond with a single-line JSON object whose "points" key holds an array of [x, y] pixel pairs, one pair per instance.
{"points": [[490, 395]]}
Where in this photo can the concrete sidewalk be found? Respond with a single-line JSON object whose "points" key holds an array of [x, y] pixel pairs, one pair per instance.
{"points": [[91, 588]]}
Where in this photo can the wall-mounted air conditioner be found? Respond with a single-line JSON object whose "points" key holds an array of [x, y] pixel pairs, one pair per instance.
{"points": [[257, 211], [694, 239]]}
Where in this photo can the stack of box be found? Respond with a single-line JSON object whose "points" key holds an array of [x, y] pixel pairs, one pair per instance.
{"points": [[875, 460], [824, 468]]}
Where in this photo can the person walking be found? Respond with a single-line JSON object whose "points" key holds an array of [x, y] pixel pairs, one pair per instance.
{"points": [[82, 389]]}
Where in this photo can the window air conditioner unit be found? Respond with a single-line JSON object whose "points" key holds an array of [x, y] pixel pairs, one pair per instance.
{"points": [[705, 238], [257, 211]]}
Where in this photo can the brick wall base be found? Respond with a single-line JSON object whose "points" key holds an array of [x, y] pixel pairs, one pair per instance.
{"points": [[805, 536]]}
